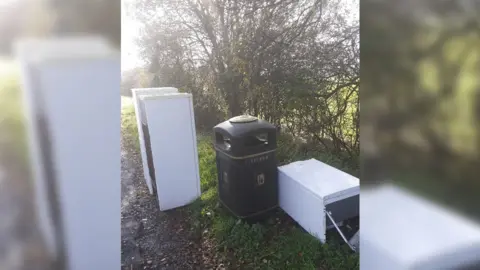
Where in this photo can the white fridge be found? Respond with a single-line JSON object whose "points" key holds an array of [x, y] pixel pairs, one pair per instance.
{"points": [[138, 95], [173, 143], [72, 101]]}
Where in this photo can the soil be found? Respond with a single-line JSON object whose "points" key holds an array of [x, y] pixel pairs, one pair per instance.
{"points": [[152, 239], [21, 246]]}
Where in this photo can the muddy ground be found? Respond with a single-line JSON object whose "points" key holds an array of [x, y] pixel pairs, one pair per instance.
{"points": [[21, 247]]}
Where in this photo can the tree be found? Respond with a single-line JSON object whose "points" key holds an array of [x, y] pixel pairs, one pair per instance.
{"points": [[294, 63], [134, 78], [155, 69], [88, 16]]}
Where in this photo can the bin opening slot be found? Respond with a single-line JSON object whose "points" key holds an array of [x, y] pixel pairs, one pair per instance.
{"points": [[256, 139], [223, 140]]}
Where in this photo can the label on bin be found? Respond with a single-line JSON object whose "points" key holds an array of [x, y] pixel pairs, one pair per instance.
{"points": [[260, 179], [225, 184], [258, 159], [225, 177]]}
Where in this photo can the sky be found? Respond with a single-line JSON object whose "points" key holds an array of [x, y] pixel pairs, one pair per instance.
{"points": [[130, 29]]}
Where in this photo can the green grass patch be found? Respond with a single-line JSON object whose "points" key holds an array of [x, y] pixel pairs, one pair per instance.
{"points": [[129, 122], [12, 121]]}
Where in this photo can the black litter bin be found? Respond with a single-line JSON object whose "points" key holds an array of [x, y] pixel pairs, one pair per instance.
{"points": [[247, 165]]}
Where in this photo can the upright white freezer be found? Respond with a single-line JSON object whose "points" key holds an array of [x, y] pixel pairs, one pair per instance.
{"points": [[310, 188], [138, 94], [171, 128], [71, 89]]}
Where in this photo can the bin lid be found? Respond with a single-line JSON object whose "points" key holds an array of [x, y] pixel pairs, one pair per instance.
{"points": [[244, 124], [243, 119]]}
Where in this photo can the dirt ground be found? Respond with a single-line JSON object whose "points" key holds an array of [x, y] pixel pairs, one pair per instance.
{"points": [[21, 247], [152, 239]]}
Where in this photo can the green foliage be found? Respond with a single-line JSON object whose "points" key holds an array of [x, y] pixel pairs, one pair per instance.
{"points": [[420, 94], [284, 62], [12, 121], [290, 150]]}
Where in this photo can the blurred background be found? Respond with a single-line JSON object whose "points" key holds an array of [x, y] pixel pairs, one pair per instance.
{"points": [[420, 95], [20, 245], [420, 89], [292, 63]]}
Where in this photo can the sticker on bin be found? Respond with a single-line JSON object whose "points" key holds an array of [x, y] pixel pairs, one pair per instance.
{"points": [[225, 177], [260, 179], [258, 159]]}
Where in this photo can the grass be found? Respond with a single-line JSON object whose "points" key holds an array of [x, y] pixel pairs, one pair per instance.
{"points": [[12, 121], [129, 122], [270, 244], [265, 245]]}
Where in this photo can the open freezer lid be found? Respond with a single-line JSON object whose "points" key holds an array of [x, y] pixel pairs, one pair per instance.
{"points": [[325, 181], [415, 231]]}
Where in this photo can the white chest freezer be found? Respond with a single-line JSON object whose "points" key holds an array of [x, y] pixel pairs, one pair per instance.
{"points": [[138, 95], [401, 231], [309, 188], [171, 127], [71, 88]]}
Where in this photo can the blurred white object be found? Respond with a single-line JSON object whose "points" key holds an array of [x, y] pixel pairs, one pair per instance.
{"points": [[171, 126], [309, 188], [71, 89], [401, 231], [138, 94]]}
